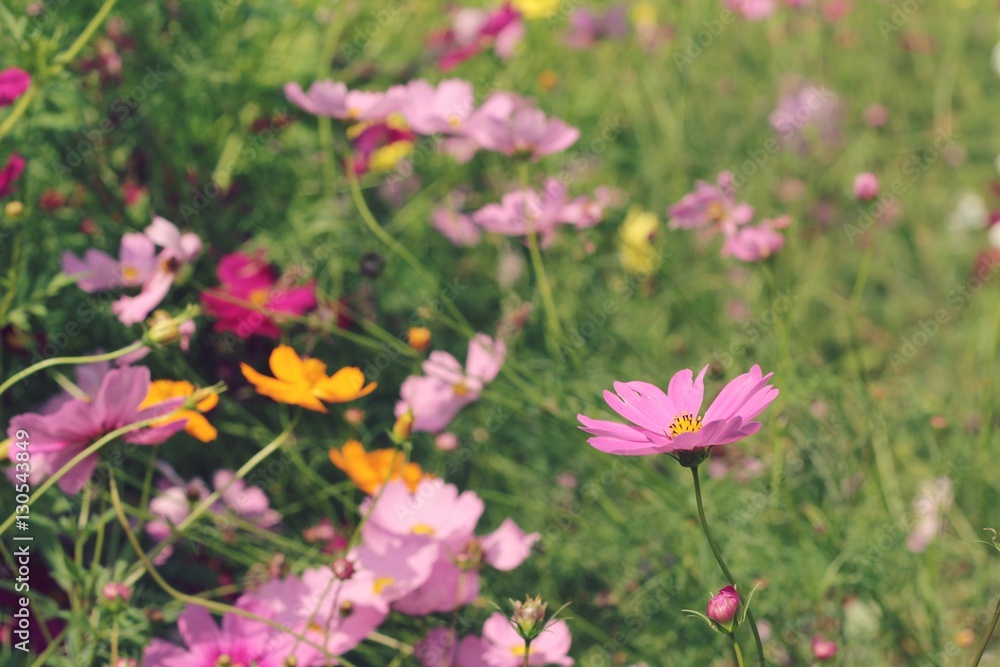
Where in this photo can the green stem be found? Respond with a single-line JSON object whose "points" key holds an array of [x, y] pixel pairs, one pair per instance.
{"points": [[88, 32], [553, 327], [60, 361], [17, 111], [736, 651], [986, 637], [722, 562]]}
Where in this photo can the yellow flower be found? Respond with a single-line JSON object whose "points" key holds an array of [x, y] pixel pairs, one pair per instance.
{"points": [[536, 9], [635, 235], [387, 157], [368, 470], [197, 426], [303, 381]]}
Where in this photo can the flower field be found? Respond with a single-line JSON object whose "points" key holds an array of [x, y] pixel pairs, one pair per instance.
{"points": [[507, 333]]}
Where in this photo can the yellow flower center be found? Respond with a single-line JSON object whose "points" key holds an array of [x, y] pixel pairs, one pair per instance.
{"points": [[716, 211], [258, 297], [381, 583], [422, 529], [519, 650], [130, 272], [315, 627], [454, 121], [460, 389], [685, 423]]}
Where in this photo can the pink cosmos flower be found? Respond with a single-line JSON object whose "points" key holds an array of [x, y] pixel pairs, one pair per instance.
{"points": [[671, 423], [99, 271], [866, 186], [457, 227], [242, 640], [13, 83], [754, 243], [247, 278], [373, 137], [474, 30], [454, 580], [752, 10], [59, 436], [175, 502], [526, 132], [436, 510], [440, 648], [383, 576], [496, 109], [329, 612], [711, 206], [807, 116], [445, 388], [505, 648], [10, 172], [522, 211], [333, 99], [587, 27], [438, 110], [823, 649]]}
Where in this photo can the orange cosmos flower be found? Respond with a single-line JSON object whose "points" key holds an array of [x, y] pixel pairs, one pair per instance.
{"points": [[368, 470], [302, 381], [197, 425]]}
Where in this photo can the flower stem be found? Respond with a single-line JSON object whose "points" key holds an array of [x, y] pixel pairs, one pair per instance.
{"points": [[553, 327], [60, 361], [67, 56], [722, 563], [986, 637], [17, 111], [736, 651]]}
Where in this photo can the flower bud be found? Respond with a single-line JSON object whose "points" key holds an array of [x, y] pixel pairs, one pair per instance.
{"points": [[403, 427], [343, 569], [866, 186], [419, 338], [723, 607], [166, 330], [529, 617], [13, 210], [823, 649], [354, 416], [116, 594]]}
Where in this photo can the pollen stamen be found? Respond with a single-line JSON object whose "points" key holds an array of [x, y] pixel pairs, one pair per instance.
{"points": [[684, 423]]}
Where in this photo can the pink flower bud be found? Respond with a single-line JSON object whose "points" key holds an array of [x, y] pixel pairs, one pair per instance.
{"points": [[116, 592], [722, 608], [876, 115], [342, 568], [446, 441], [866, 186], [823, 649]]}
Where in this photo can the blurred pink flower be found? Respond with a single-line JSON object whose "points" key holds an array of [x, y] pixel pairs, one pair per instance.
{"points": [[436, 397], [522, 211], [474, 30], [933, 500], [457, 227], [823, 649], [439, 648], [333, 99], [250, 279], [98, 271], [586, 27], [526, 131], [754, 243], [866, 186], [57, 437], [505, 648], [438, 110], [670, 423], [13, 83], [10, 173], [711, 206], [752, 10], [808, 116]]}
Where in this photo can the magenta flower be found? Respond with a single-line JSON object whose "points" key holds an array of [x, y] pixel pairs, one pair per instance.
{"points": [[13, 83], [240, 641], [711, 206], [671, 423], [437, 397], [505, 648], [10, 173], [59, 436], [754, 243], [526, 131], [474, 30], [723, 607], [752, 10], [866, 186], [440, 648], [99, 271], [247, 278], [438, 110], [823, 649]]}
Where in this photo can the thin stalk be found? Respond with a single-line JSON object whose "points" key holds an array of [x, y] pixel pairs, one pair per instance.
{"points": [[736, 651], [62, 361], [722, 562], [15, 114], [987, 635], [88, 32], [553, 327]]}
